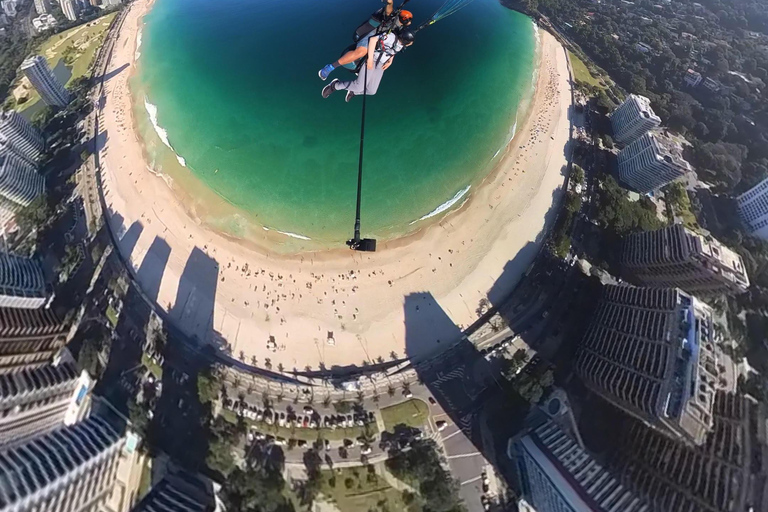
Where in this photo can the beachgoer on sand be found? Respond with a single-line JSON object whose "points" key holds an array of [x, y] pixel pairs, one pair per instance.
{"points": [[381, 53]]}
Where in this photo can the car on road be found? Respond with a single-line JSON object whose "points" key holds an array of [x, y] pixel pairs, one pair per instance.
{"points": [[407, 393], [432, 400], [348, 443], [327, 444], [280, 441], [301, 443], [441, 425], [365, 450], [308, 410], [281, 419]]}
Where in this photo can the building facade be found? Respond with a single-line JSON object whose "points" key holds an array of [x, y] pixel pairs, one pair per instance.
{"points": [[555, 474], [71, 469], [35, 401], [753, 209], [43, 80], [69, 8], [19, 182], [652, 161], [725, 474], [650, 352], [29, 338], [41, 6], [633, 118], [22, 283], [19, 137], [179, 491], [676, 257]]}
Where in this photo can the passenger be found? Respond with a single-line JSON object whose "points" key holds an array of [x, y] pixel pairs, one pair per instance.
{"points": [[381, 54], [399, 23]]}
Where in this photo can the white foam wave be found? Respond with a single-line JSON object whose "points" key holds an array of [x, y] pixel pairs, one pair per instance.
{"points": [[160, 131], [137, 53], [445, 206], [287, 233], [535, 28]]}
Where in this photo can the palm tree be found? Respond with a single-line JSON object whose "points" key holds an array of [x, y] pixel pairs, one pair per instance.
{"points": [[279, 397], [280, 367], [249, 390], [391, 390], [360, 396], [236, 382], [406, 386], [241, 356], [265, 398], [308, 368], [380, 360], [254, 361], [267, 363], [327, 400], [375, 398], [393, 355]]}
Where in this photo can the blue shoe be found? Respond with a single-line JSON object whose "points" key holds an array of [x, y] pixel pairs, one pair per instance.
{"points": [[323, 73]]}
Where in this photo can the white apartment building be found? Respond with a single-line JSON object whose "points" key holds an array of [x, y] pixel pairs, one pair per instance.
{"points": [[69, 8], [43, 80], [19, 182], [19, 137], [35, 401], [41, 6], [22, 283], [71, 469], [652, 161], [44, 22], [633, 118], [753, 209]]}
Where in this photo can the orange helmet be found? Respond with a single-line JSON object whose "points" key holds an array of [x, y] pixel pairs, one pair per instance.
{"points": [[406, 17]]}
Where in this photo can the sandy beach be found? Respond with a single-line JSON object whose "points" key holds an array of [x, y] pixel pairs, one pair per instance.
{"points": [[408, 298]]}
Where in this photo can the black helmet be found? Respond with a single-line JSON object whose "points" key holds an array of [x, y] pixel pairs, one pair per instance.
{"points": [[406, 37]]}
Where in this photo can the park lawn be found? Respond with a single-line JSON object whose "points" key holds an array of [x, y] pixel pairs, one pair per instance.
{"points": [[363, 494], [413, 412], [89, 38], [152, 366], [310, 435], [112, 316], [581, 72]]}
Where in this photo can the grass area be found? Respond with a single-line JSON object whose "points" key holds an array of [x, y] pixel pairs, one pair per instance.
{"points": [[112, 316], [678, 199], [581, 71], [354, 489], [152, 366], [413, 413], [307, 434], [77, 46]]}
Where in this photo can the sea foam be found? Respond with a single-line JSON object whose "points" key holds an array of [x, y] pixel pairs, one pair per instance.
{"points": [[446, 205], [160, 131], [137, 53], [287, 233]]}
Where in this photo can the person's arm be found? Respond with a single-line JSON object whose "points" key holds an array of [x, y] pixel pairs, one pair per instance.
{"points": [[388, 63], [389, 8], [371, 50]]}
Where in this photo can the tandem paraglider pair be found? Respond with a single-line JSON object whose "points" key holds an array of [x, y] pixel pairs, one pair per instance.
{"points": [[377, 41]]}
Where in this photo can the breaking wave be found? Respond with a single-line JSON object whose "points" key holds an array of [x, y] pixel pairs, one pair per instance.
{"points": [[446, 205]]}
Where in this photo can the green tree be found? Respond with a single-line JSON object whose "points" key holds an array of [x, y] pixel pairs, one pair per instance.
{"points": [[208, 386]]}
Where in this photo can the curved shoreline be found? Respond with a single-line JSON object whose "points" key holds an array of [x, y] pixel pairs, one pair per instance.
{"points": [[413, 292]]}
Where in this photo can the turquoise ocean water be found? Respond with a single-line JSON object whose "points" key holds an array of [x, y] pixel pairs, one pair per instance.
{"points": [[231, 86]]}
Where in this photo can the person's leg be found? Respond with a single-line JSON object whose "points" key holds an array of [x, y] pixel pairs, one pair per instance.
{"points": [[348, 58], [358, 86]]}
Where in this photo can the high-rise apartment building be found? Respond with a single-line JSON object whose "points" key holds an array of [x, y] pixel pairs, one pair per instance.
{"points": [[41, 6], [725, 474], [71, 469], [651, 161], [19, 137], [35, 401], [676, 257], [650, 352], [22, 283], [179, 491], [633, 118], [19, 182], [555, 474], [753, 209], [29, 338], [69, 8], [43, 80]]}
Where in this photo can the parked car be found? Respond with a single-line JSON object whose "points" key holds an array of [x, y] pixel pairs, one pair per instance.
{"points": [[441, 425]]}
